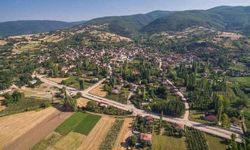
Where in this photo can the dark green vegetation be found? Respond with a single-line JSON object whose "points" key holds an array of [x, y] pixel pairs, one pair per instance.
{"points": [[196, 139], [109, 110], [17, 103], [111, 137], [78, 122], [33, 26], [128, 25], [76, 82], [21, 68], [222, 18]]}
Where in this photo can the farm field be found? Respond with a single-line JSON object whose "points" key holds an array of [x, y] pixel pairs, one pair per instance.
{"points": [[98, 134], [74, 140], [99, 91], [112, 135], [124, 134], [77, 129], [215, 143], [78, 122], [16, 129], [161, 142], [195, 139]]}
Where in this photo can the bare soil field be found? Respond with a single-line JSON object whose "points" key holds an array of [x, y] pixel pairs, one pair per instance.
{"points": [[125, 132], [98, 134], [25, 121], [24, 130], [82, 102], [2, 107], [99, 91]]}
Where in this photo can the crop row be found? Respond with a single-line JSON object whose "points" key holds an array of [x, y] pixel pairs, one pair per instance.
{"points": [[110, 139], [196, 139]]}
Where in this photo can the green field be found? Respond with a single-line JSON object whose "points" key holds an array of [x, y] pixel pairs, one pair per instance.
{"points": [[121, 97], [73, 81], [241, 80], [162, 142], [50, 140], [78, 122], [215, 143], [87, 124]]}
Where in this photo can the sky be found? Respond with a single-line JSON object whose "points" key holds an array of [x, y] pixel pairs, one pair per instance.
{"points": [[78, 10]]}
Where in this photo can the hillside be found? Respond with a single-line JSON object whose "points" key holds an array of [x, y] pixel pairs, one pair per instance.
{"points": [[128, 25], [32, 26], [222, 18]]}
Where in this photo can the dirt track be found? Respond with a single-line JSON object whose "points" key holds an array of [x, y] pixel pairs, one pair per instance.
{"points": [[98, 134], [23, 131]]}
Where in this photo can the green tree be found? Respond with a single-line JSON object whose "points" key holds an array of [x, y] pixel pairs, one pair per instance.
{"points": [[225, 120], [81, 84]]}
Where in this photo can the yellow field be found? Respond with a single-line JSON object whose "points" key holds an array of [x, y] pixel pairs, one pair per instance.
{"points": [[82, 102], [98, 91], [98, 134], [125, 132], [71, 141], [26, 46], [14, 126]]}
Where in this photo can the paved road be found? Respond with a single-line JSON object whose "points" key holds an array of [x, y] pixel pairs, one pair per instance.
{"points": [[199, 126]]}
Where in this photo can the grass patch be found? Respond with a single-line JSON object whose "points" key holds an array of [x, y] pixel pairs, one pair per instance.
{"points": [[162, 142], [71, 123], [45, 143], [87, 124], [121, 97], [215, 143], [73, 81], [78, 122], [28, 104], [69, 142], [242, 81]]}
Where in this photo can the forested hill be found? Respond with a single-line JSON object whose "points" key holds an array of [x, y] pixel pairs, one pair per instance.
{"points": [[222, 18], [33, 26], [127, 25]]}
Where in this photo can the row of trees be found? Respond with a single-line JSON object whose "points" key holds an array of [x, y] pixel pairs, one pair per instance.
{"points": [[171, 107]]}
